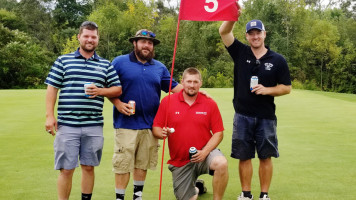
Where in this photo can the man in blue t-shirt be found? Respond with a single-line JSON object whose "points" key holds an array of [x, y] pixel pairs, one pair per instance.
{"points": [[79, 129], [259, 75], [142, 79]]}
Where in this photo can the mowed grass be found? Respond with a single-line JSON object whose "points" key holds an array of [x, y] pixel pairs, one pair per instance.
{"points": [[316, 131]]}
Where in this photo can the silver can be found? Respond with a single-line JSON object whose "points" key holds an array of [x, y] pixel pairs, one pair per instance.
{"points": [[253, 82]]}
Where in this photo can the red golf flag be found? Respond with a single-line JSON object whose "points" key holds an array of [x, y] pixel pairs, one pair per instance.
{"points": [[208, 10]]}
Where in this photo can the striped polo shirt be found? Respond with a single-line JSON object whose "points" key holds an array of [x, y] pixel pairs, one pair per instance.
{"points": [[69, 73]]}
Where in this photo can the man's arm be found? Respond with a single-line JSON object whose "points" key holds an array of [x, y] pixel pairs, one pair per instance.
{"points": [[160, 133], [211, 145], [51, 122], [275, 91], [226, 34], [122, 107], [177, 88], [110, 92]]}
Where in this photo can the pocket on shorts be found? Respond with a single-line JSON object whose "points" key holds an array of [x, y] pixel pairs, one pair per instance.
{"points": [[171, 168], [119, 160], [154, 158]]}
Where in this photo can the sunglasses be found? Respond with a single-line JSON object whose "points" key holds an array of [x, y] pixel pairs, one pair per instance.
{"points": [[89, 23], [256, 67], [147, 33]]}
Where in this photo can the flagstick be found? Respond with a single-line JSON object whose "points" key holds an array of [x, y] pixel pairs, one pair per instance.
{"points": [[169, 98]]}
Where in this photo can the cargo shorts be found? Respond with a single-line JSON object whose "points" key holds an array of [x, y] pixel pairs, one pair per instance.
{"points": [[134, 149]]}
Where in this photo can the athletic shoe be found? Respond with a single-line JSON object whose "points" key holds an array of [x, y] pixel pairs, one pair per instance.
{"points": [[242, 197], [265, 197], [200, 185]]}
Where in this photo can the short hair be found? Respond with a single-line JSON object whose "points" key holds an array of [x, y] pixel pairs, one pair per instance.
{"points": [[88, 25], [192, 71]]}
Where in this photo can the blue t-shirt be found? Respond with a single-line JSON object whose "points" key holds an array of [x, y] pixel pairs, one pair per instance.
{"points": [[143, 84], [69, 73], [271, 69]]}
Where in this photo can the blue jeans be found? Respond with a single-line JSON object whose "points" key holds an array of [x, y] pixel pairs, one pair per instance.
{"points": [[251, 134]]}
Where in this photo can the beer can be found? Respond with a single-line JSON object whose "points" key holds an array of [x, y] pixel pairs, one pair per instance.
{"points": [[86, 84], [192, 151], [133, 106], [253, 82]]}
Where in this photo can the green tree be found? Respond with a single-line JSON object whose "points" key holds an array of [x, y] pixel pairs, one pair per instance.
{"points": [[8, 4], [71, 13], [10, 20], [117, 26], [38, 19], [23, 64]]}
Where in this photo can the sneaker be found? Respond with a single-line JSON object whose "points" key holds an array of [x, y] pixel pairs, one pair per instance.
{"points": [[200, 185], [242, 197], [265, 197]]}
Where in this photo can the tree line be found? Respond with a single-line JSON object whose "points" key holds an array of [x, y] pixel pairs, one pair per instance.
{"points": [[317, 40]]}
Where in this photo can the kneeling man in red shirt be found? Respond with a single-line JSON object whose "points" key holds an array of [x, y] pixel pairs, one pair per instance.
{"points": [[196, 122]]}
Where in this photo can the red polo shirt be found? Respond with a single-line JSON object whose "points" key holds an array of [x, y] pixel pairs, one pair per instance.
{"points": [[194, 125]]}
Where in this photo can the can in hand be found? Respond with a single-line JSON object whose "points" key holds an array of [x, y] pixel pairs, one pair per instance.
{"points": [[253, 82], [86, 84], [133, 106], [192, 151]]}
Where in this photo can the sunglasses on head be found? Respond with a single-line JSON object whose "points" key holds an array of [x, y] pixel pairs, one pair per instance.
{"points": [[147, 33], [89, 23]]}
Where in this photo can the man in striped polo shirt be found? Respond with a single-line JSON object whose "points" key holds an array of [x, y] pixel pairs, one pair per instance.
{"points": [[80, 122]]}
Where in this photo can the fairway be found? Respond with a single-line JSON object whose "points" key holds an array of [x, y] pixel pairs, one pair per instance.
{"points": [[316, 132]]}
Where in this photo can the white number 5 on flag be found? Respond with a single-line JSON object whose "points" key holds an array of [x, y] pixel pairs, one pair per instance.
{"points": [[215, 2]]}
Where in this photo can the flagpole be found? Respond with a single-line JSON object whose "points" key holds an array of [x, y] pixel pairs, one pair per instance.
{"points": [[169, 98]]}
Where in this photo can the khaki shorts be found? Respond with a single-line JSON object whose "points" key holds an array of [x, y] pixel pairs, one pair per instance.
{"points": [[134, 149]]}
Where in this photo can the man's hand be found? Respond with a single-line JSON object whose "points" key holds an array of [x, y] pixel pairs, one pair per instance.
{"points": [[275, 91], [260, 90], [124, 108], [166, 132], [162, 133], [200, 156], [93, 91], [203, 92], [51, 125]]}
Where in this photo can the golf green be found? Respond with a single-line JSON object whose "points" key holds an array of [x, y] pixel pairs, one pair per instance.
{"points": [[316, 132]]}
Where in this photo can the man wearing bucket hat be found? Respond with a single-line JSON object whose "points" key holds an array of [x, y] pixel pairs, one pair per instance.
{"points": [[260, 75], [143, 78]]}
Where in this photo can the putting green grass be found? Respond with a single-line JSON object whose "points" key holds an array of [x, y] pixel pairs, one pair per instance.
{"points": [[316, 131]]}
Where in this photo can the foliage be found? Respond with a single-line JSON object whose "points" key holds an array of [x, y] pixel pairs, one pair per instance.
{"points": [[71, 13], [10, 20], [71, 45], [23, 64]]}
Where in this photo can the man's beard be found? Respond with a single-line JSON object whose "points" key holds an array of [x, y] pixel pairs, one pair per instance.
{"points": [[191, 94], [83, 47], [142, 56]]}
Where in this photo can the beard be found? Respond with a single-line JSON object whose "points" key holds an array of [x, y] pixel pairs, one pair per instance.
{"points": [[191, 93], [88, 49], [147, 57]]}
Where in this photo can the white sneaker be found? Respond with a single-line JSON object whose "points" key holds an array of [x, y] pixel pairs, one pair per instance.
{"points": [[242, 197], [265, 197]]}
